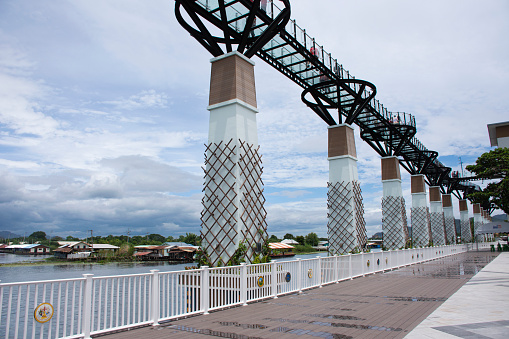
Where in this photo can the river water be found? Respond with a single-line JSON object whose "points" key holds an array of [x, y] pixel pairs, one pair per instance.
{"points": [[72, 271]]}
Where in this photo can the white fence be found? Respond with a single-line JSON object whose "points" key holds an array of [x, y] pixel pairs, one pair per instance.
{"points": [[93, 305]]}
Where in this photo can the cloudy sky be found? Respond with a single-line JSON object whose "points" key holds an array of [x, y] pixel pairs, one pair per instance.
{"points": [[103, 114]]}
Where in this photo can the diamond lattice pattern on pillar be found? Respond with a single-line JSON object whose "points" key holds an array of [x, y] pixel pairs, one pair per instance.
{"points": [[420, 226], [362, 237], [450, 230], [394, 222], [253, 212], [340, 226], [466, 232], [437, 228], [223, 229]]}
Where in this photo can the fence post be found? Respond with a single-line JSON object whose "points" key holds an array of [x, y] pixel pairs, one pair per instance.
{"points": [[205, 289], [362, 263], [87, 306], [336, 268], [319, 273], [243, 284], [299, 275], [155, 297], [350, 265], [273, 269]]}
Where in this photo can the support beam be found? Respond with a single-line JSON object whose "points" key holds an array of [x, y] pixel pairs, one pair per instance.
{"points": [[346, 226], [233, 203], [394, 220], [419, 213], [436, 216]]}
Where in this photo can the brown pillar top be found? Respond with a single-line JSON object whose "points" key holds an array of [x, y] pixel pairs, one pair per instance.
{"points": [[463, 206], [417, 183], [232, 77], [477, 208], [390, 168], [341, 141], [434, 194], [446, 200]]}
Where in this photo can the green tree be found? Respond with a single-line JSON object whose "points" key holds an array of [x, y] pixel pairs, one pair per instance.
{"points": [[192, 239], [300, 239], [492, 165], [288, 236], [38, 236], [156, 238], [273, 238], [71, 238], [312, 239]]}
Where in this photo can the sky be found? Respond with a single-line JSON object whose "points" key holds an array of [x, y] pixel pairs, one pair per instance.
{"points": [[103, 114]]}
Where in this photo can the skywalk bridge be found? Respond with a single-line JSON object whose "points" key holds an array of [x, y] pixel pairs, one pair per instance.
{"points": [[265, 29]]}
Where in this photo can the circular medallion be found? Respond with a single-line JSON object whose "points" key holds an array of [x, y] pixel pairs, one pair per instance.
{"points": [[386, 260], [412, 256], [310, 273], [288, 277], [260, 281], [378, 262], [43, 313], [368, 263]]}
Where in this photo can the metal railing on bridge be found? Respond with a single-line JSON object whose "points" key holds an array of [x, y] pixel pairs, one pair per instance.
{"points": [[78, 308]]}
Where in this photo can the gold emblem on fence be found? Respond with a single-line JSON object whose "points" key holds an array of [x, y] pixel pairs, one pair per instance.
{"points": [[260, 281], [310, 273], [43, 313]]}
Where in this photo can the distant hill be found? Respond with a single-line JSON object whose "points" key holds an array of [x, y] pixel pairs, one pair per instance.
{"points": [[8, 235], [499, 217], [377, 235]]}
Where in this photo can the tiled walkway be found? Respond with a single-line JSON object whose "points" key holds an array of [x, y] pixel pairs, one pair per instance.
{"points": [[478, 310], [386, 305]]}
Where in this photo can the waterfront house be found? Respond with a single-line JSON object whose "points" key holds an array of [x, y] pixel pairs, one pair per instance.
{"points": [[73, 250], [104, 248], [30, 249]]}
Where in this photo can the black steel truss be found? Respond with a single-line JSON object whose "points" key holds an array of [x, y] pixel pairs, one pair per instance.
{"points": [[327, 86]]}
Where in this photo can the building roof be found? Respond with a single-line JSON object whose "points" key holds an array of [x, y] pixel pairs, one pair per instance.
{"points": [[290, 241], [177, 243], [279, 246], [139, 254], [104, 247], [492, 131], [71, 243]]}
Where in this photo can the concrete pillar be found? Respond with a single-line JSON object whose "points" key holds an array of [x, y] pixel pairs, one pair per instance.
{"points": [[477, 219], [436, 216], [394, 221], [466, 231], [346, 227], [233, 202], [449, 220], [419, 212]]}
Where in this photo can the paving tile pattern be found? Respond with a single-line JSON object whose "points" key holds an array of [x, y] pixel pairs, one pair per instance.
{"points": [[385, 305]]}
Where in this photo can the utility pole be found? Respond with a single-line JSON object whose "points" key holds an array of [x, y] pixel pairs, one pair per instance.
{"points": [[128, 234], [461, 164], [91, 236]]}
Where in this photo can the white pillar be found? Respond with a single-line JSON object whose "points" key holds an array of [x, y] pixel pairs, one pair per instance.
{"points": [[233, 211], [466, 232], [346, 227], [477, 219], [394, 221], [449, 220], [436, 216], [419, 212]]}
